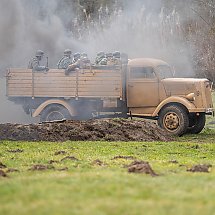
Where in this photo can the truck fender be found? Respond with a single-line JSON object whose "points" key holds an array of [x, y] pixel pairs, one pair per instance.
{"points": [[38, 111], [174, 99]]}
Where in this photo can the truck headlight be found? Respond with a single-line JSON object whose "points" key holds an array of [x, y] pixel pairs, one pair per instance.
{"points": [[190, 97]]}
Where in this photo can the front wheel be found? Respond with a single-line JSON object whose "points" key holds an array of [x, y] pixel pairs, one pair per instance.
{"points": [[196, 123], [174, 119], [53, 113]]}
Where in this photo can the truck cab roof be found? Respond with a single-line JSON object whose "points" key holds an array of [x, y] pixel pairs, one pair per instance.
{"points": [[146, 62]]}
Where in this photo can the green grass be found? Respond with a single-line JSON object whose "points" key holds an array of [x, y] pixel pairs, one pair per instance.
{"points": [[89, 189]]}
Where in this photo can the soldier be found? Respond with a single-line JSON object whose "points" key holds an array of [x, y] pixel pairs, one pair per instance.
{"points": [[76, 63], [66, 60], [101, 59], [110, 60], [84, 61], [34, 63], [76, 57], [116, 58]]}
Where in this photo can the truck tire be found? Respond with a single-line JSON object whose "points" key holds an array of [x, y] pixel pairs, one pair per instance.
{"points": [[196, 123], [54, 112], [174, 119]]}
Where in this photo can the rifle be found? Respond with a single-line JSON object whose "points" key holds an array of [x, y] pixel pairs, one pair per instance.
{"points": [[47, 62]]}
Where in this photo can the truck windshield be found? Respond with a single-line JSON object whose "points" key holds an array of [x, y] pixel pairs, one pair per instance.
{"points": [[164, 71]]}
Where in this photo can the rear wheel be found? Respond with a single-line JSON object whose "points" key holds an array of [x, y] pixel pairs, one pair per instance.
{"points": [[196, 123], [54, 112], [174, 119]]}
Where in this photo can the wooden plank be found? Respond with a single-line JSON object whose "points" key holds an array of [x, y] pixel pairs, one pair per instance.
{"points": [[96, 88], [66, 82], [98, 78], [99, 94], [17, 81], [100, 75], [21, 74], [20, 70], [54, 90], [50, 79], [40, 81], [18, 85]]}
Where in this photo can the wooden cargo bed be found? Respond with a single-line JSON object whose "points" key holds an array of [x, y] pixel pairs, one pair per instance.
{"points": [[89, 83]]}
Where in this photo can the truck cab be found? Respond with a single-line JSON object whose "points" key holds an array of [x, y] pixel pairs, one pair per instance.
{"points": [[152, 91]]}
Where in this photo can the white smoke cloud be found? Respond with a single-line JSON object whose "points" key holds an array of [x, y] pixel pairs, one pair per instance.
{"points": [[141, 29]]}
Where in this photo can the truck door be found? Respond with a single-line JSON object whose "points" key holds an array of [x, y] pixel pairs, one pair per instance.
{"points": [[142, 87]]}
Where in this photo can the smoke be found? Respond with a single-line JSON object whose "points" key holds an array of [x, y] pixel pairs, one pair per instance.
{"points": [[141, 28], [146, 29]]}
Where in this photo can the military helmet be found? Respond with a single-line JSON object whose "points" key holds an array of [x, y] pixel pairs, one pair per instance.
{"points": [[67, 52], [109, 55], [77, 55], [84, 54], [39, 53], [116, 54], [100, 54]]}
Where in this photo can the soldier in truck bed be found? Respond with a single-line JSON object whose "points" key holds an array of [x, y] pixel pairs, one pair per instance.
{"points": [[34, 63], [101, 59], [66, 60], [79, 61]]}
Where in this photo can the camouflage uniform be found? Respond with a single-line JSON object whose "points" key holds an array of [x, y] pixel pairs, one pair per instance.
{"points": [[66, 60], [110, 60], [84, 61], [116, 58], [75, 63], [101, 59], [34, 63], [76, 57]]}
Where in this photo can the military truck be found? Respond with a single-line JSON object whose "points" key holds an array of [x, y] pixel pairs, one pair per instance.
{"points": [[141, 87]]}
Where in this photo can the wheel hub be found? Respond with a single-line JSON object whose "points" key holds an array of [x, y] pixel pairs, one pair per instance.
{"points": [[171, 121], [55, 115]]}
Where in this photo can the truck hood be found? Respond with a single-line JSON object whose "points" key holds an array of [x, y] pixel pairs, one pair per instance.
{"points": [[181, 86]]}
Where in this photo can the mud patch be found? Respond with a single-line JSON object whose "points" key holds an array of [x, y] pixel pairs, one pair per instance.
{"points": [[3, 174], [53, 161], [98, 162], [40, 167], [2, 166], [173, 161], [63, 169], [15, 151], [93, 130], [200, 168], [60, 153], [12, 170], [72, 158], [141, 167], [124, 157]]}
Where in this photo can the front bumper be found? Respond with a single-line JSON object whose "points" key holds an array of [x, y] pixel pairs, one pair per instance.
{"points": [[209, 111]]}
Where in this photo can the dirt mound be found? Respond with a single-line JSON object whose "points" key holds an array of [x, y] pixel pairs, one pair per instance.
{"points": [[40, 167], [60, 153], [16, 151], [141, 167], [200, 168], [106, 129], [72, 158], [98, 162], [124, 157], [2, 166], [10, 170], [3, 174]]}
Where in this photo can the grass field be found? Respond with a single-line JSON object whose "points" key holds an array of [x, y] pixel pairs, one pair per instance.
{"points": [[87, 188]]}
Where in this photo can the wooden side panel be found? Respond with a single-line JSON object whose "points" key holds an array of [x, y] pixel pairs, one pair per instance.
{"points": [[99, 83], [19, 82], [54, 83]]}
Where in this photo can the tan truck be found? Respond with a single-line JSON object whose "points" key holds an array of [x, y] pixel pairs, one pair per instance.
{"points": [[140, 88]]}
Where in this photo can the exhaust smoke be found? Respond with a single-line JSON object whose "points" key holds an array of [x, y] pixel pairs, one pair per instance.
{"points": [[139, 28]]}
